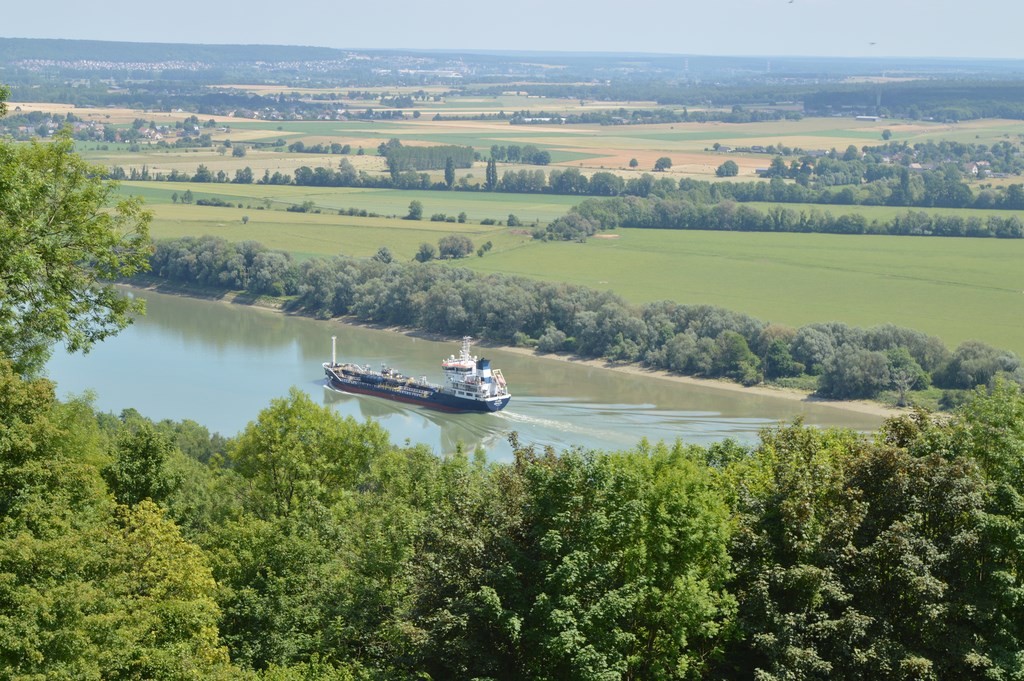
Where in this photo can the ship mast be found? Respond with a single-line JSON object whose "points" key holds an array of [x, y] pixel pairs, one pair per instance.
{"points": [[334, 351]]}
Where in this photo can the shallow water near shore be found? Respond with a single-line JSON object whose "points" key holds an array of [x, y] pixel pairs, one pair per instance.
{"points": [[220, 364]]}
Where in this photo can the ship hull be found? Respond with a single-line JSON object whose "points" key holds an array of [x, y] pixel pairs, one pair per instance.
{"points": [[424, 396]]}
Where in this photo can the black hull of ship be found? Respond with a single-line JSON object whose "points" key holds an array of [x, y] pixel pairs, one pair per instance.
{"points": [[429, 396]]}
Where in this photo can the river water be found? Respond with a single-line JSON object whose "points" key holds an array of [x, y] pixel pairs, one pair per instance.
{"points": [[220, 364]]}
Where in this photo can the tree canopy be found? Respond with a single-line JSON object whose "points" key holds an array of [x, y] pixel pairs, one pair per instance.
{"points": [[311, 547], [63, 239], [728, 169]]}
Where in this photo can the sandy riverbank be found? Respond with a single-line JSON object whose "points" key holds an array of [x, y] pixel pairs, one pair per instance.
{"points": [[856, 406]]}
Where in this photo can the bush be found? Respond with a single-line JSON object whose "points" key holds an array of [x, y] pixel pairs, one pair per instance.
{"points": [[552, 340], [953, 399], [734, 359], [728, 169], [425, 253], [570, 227], [214, 201], [306, 207], [975, 363], [454, 246], [854, 373], [522, 340]]}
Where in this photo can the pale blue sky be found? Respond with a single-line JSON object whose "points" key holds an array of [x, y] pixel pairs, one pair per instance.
{"points": [[911, 28]]}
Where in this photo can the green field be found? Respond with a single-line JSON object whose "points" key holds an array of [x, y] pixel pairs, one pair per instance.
{"points": [[308, 235], [477, 205], [954, 288]]}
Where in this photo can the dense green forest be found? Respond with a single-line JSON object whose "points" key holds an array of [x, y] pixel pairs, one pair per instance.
{"points": [[308, 547], [702, 340]]}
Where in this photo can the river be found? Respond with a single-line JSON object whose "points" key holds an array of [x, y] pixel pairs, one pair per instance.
{"points": [[220, 364]]}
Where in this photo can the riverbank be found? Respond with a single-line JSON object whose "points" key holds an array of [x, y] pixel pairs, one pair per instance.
{"points": [[858, 406], [277, 305]]}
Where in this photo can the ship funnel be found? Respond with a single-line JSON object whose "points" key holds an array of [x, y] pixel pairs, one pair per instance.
{"points": [[334, 351]]}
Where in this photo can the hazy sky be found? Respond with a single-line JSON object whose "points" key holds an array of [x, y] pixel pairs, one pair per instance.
{"points": [[918, 28]]}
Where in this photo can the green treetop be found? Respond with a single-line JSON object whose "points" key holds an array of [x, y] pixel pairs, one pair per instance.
{"points": [[63, 238]]}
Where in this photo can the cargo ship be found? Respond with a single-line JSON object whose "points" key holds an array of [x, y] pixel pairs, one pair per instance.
{"points": [[470, 384]]}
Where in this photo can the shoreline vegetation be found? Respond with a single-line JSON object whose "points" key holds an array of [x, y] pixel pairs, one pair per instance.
{"points": [[273, 304]]}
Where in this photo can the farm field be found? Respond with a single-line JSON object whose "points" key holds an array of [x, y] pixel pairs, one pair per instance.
{"points": [[956, 289], [529, 208], [590, 147], [307, 235]]}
